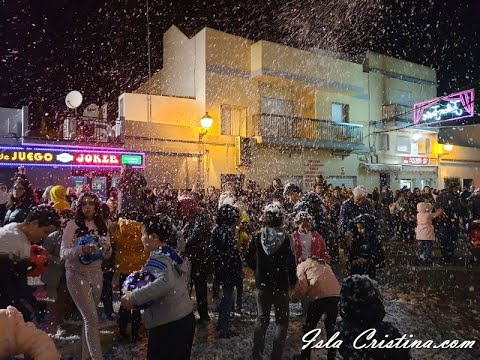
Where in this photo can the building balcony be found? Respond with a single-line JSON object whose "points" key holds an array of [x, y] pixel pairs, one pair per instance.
{"points": [[313, 133], [395, 113], [79, 130]]}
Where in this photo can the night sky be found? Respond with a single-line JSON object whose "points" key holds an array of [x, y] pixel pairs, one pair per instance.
{"points": [[48, 47]]}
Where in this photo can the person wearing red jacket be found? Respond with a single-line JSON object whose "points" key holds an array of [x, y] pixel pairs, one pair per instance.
{"points": [[307, 242]]}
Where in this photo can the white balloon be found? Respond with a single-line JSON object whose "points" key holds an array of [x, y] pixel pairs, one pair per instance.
{"points": [[73, 99]]}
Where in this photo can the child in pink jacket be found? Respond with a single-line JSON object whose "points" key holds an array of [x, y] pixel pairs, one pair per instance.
{"points": [[307, 242], [318, 284], [425, 232]]}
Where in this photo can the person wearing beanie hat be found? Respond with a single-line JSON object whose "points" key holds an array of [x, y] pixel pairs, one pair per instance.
{"points": [[227, 264], [270, 255], [361, 308]]}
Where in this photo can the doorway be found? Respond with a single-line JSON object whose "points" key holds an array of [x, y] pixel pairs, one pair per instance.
{"points": [[384, 180], [406, 183]]}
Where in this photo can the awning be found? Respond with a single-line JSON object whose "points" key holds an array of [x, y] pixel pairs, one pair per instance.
{"points": [[419, 169], [381, 167]]}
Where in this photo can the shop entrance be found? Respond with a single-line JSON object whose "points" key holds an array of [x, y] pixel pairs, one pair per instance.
{"points": [[384, 179], [407, 183]]}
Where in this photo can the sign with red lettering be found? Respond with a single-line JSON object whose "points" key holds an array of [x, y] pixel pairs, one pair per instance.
{"points": [[416, 161], [58, 156]]}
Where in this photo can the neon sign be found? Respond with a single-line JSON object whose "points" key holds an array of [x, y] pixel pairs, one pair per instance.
{"points": [[447, 108], [67, 157], [416, 160]]}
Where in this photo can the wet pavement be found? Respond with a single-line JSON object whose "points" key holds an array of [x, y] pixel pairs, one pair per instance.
{"points": [[430, 302]]}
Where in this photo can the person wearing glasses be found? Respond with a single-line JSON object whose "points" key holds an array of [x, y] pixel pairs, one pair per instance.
{"points": [[22, 199]]}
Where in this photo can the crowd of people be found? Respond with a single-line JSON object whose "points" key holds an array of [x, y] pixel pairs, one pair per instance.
{"points": [[284, 239]]}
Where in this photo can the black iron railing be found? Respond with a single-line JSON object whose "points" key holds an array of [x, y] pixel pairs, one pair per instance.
{"points": [[289, 127]]}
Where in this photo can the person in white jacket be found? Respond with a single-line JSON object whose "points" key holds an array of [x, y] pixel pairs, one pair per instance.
{"points": [[83, 266]]}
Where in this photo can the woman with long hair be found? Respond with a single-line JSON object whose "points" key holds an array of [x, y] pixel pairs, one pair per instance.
{"points": [[85, 242], [22, 199]]}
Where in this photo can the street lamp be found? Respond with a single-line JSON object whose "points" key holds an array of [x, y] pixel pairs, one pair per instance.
{"points": [[206, 121], [448, 147]]}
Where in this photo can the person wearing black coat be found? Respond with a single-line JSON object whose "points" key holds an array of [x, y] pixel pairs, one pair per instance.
{"points": [[227, 263], [270, 255], [361, 308], [21, 202], [447, 227], [365, 253]]}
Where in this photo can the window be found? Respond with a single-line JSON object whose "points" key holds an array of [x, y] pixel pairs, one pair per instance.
{"points": [[233, 120], [384, 144], [403, 144], [121, 107], [340, 113], [401, 97], [428, 149], [277, 106]]}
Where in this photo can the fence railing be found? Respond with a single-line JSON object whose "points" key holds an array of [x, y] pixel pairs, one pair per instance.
{"points": [[289, 127], [81, 129], [397, 112]]}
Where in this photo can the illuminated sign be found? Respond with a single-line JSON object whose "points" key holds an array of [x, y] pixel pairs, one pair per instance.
{"points": [[447, 108], [416, 161], [69, 157]]}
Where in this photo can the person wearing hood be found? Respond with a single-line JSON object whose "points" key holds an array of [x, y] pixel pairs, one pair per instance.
{"points": [[197, 227], [270, 255], [58, 197], [365, 252], [227, 264], [318, 285], [170, 318], [425, 231], [361, 308]]}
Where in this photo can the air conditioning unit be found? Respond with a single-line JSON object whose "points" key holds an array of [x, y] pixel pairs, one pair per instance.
{"points": [[245, 149]]}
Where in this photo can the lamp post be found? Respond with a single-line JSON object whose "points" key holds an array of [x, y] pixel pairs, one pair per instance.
{"points": [[206, 122], [448, 147]]}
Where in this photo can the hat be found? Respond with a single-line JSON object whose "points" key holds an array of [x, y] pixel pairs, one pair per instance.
{"points": [[303, 216], [227, 215], [275, 208], [360, 300], [367, 220]]}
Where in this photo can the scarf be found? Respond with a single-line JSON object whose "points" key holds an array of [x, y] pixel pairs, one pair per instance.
{"points": [[170, 252]]}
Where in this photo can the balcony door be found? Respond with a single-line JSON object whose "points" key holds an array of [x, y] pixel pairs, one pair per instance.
{"points": [[233, 120], [277, 119]]}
